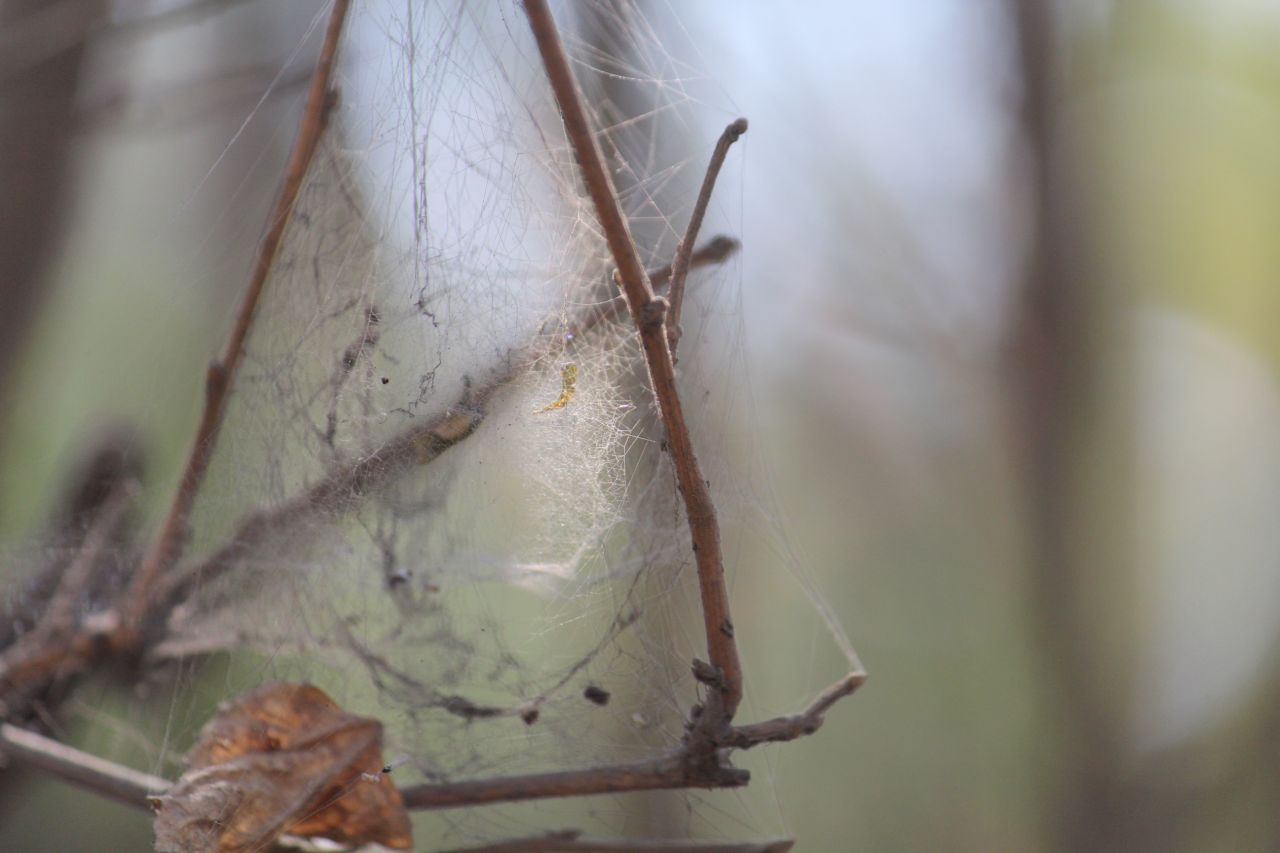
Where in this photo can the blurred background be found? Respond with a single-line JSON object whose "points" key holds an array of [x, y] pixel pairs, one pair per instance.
{"points": [[1007, 293]]}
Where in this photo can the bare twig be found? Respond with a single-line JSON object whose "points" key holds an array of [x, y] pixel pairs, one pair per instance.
{"points": [[571, 841], [680, 266], [30, 668], [673, 770], [168, 544], [665, 772], [649, 313], [81, 769], [794, 726], [712, 252]]}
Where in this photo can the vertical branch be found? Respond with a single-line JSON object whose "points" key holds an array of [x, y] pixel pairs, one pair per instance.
{"points": [[649, 313], [684, 250], [169, 542], [40, 72], [1057, 394]]}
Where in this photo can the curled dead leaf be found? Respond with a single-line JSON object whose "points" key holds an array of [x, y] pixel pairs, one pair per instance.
{"points": [[283, 759]]}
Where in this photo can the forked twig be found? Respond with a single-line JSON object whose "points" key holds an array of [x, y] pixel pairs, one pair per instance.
{"points": [[28, 668], [649, 313], [674, 770], [794, 726], [167, 547], [684, 250]]}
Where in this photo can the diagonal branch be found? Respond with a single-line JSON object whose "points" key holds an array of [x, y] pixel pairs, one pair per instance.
{"points": [[649, 313], [28, 670], [794, 726], [107, 778], [680, 266], [167, 547]]}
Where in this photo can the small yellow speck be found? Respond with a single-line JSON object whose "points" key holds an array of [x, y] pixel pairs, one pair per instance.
{"points": [[569, 380]]}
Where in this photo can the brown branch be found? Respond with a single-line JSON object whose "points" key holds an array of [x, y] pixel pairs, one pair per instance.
{"points": [[680, 266], [30, 668], [665, 772], [679, 769], [571, 841], [168, 544], [712, 252], [794, 726], [649, 312], [81, 769]]}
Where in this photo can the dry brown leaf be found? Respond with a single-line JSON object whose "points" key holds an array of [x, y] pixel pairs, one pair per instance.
{"points": [[284, 758]]}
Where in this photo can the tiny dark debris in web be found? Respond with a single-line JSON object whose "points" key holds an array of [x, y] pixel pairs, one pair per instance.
{"points": [[595, 694], [529, 715], [386, 380]]}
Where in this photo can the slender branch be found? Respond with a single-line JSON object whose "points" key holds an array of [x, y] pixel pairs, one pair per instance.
{"points": [[29, 668], [713, 251], [680, 266], [794, 726], [648, 311], [81, 769], [170, 541], [678, 769], [571, 841], [669, 771]]}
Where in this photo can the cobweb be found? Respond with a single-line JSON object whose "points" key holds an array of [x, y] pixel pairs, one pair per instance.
{"points": [[438, 494]]}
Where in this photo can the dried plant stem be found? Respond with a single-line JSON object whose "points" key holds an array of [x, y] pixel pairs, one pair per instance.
{"points": [[794, 726], [572, 841], [669, 771], [649, 314], [80, 768], [167, 547], [29, 668], [684, 251]]}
